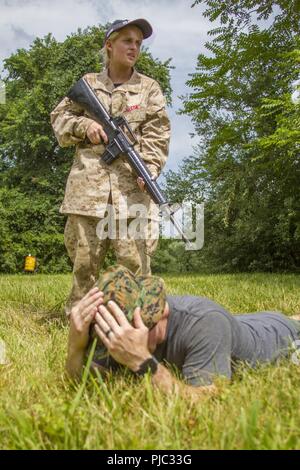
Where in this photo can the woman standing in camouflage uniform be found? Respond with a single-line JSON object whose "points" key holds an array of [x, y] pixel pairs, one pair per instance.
{"points": [[92, 184]]}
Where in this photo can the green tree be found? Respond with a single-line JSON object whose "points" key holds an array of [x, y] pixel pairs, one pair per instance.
{"points": [[246, 168]]}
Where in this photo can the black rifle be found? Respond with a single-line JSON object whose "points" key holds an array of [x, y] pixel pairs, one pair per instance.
{"points": [[118, 143]]}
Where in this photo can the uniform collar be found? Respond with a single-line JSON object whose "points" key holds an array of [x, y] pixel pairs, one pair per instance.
{"points": [[105, 83]]}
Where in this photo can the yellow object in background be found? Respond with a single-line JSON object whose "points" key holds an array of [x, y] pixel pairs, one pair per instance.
{"points": [[30, 264]]}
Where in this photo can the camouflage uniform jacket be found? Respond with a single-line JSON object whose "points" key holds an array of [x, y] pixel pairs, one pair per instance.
{"points": [[91, 180]]}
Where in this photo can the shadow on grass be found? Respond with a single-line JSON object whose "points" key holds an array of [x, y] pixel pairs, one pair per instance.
{"points": [[54, 315]]}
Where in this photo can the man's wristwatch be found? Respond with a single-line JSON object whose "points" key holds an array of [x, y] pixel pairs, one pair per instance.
{"points": [[150, 364]]}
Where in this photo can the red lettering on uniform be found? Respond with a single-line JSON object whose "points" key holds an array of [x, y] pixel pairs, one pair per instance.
{"points": [[132, 108]]}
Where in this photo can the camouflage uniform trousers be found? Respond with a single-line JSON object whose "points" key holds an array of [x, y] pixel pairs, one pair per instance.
{"points": [[87, 253]]}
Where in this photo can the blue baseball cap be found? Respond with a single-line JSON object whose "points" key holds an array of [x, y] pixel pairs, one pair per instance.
{"points": [[142, 24]]}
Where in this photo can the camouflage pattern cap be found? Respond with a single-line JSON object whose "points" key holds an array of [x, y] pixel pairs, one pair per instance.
{"points": [[129, 291]]}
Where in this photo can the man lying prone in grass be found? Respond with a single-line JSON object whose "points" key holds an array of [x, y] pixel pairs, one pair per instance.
{"points": [[138, 326]]}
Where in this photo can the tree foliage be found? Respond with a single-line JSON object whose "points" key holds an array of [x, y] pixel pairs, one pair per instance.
{"points": [[246, 168]]}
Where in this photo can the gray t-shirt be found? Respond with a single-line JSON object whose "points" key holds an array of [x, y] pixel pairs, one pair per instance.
{"points": [[204, 340]]}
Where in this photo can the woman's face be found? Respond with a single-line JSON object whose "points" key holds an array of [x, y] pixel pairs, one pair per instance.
{"points": [[125, 49]]}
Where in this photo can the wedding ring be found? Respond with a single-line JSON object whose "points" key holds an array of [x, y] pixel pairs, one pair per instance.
{"points": [[107, 333]]}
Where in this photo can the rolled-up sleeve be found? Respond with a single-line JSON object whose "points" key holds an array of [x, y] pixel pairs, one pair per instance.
{"points": [[69, 124], [155, 131]]}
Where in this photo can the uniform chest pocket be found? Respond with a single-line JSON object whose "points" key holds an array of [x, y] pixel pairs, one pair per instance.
{"points": [[135, 119], [136, 115]]}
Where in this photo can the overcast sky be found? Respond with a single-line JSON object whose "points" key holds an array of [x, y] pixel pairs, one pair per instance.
{"points": [[179, 32]]}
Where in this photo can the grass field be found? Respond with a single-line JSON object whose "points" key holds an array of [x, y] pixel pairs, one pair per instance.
{"points": [[40, 409]]}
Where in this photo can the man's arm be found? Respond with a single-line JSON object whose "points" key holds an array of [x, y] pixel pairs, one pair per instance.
{"points": [[81, 318], [167, 383]]}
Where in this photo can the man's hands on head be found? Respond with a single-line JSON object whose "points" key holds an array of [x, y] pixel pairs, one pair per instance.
{"points": [[81, 318], [126, 343]]}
